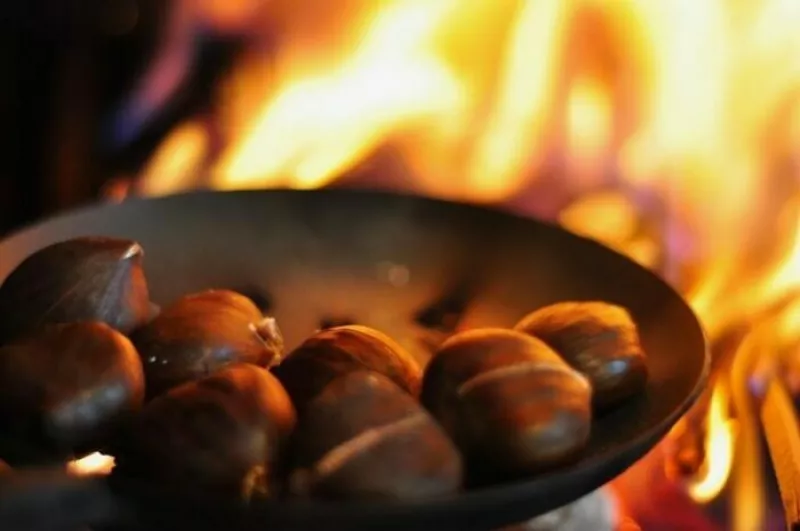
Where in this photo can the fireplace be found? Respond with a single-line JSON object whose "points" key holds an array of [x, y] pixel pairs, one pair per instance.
{"points": [[667, 130]]}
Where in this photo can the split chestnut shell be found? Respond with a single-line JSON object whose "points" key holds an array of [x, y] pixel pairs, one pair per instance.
{"points": [[336, 351], [202, 333], [510, 403], [598, 339], [363, 437], [83, 279]]}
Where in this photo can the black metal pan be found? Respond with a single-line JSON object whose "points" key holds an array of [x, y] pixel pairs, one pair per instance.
{"points": [[415, 268]]}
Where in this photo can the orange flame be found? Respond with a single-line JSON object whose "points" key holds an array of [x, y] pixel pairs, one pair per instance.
{"points": [[719, 447], [317, 125]]}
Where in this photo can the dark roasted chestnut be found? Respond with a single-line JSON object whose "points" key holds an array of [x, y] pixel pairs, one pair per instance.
{"points": [[510, 403], [363, 437], [598, 339], [223, 434], [201, 333], [69, 386], [336, 351], [85, 279]]}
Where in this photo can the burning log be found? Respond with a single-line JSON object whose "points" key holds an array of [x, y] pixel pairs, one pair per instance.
{"points": [[783, 438]]}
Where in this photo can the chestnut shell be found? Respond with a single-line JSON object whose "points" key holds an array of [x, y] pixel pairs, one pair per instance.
{"points": [[510, 403], [363, 438], [202, 332], [598, 339], [70, 387], [224, 434], [339, 350], [83, 279]]}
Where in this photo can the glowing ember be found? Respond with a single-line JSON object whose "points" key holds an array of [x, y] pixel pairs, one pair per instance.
{"points": [[92, 464]]}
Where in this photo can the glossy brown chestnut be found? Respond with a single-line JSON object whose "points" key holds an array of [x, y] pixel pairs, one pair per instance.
{"points": [[201, 333], [336, 351], [598, 339], [510, 403], [84, 279], [70, 386], [223, 434], [363, 438]]}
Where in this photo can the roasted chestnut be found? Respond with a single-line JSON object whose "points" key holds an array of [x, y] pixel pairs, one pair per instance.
{"points": [[223, 434], [84, 279], [201, 333], [598, 339], [509, 402], [336, 351], [363, 437], [69, 387]]}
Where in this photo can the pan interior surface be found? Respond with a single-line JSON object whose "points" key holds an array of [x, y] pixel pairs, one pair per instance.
{"points": [[383, 260]]}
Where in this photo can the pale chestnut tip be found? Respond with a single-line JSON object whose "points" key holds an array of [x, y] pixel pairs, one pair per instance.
{"points": [[269, 333], [134, 250]]}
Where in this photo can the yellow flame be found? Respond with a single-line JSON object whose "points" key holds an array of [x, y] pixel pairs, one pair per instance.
{"points": [[589, 126], [177, 162], [318, 125], [718, 449], [516, 126]]}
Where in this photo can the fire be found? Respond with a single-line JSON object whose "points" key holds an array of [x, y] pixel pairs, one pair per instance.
{"points": [[319, 124], [668, 130], [719, 444]]}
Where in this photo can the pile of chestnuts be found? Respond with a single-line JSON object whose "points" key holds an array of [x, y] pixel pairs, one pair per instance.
{"points": [[200, 394]]}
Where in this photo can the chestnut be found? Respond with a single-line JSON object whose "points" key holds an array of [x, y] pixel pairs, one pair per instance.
{"points": [[69, 387], [508, 401], [598, 339], [336, 351], [223, 434], [201, 333], [83, 279], [365, 438]]}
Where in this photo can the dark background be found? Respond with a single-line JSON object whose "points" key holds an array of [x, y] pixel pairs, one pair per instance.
{"points": [[66, 65]]}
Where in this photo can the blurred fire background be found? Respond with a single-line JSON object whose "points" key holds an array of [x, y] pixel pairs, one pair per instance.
{"points": [[63, 64], [668, 129]]}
